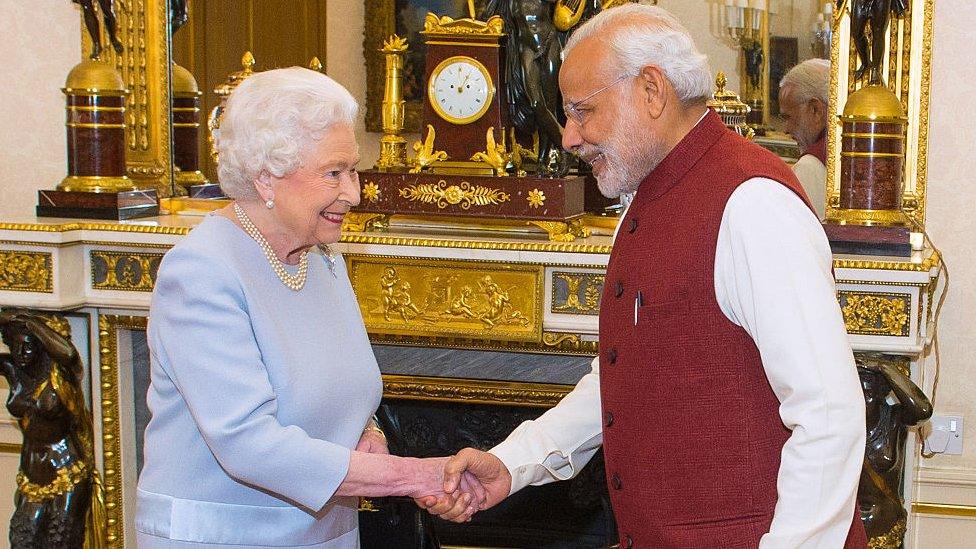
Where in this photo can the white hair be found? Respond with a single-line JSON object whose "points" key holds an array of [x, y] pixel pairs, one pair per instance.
{"points": [[809, 80], [642, 35], [271, 120]]}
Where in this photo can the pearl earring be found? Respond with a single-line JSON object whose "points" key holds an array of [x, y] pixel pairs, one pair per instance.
{"points": [[270, 203]]}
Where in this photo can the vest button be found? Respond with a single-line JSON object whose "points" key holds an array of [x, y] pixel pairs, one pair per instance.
{"points": [[615, 482], [612, 356], [618, 289], [608, 418], [633, 225], [628, 542]]}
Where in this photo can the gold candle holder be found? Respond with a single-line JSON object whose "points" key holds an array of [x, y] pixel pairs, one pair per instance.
{"points": [[393, 147]]}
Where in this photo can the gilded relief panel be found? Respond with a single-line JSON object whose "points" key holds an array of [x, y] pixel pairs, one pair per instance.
{"points": [[26, 271], [876, 313], [127, 271], [576, 293], [445, 298]]}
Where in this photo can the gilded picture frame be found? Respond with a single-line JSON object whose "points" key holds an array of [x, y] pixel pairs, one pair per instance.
{"points": [[404, 18], [907, 69]]}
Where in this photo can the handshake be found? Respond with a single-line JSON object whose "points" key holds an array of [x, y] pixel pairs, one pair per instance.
{"points": [[461, 485]]}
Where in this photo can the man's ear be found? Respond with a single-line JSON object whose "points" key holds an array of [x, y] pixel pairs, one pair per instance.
{"points": [[818, 108], [654, 90]]}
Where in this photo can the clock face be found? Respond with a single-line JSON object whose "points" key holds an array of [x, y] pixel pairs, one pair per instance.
{"points": [[460, 90]]}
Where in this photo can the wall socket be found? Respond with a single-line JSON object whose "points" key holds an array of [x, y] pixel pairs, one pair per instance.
{"points": [[944, 435]]}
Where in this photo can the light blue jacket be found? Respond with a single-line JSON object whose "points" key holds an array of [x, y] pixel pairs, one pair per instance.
{"points": [[257, 393]]}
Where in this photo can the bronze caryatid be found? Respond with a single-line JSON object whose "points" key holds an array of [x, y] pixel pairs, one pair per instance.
{"points": [[879, 491], [532, 78], [56, 482], [91, 23], [874, 14]]}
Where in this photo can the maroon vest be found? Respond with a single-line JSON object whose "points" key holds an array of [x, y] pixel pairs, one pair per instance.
{"points": [[692, 434]]}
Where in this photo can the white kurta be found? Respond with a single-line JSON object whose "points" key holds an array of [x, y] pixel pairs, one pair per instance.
{"points": [[813, 176], [773, 278]]}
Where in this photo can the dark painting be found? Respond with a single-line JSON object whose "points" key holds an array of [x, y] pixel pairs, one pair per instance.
{"points": [[783, 55]]}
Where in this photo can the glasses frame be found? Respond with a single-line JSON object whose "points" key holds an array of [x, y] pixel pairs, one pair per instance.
{"points": [[572, 108]]}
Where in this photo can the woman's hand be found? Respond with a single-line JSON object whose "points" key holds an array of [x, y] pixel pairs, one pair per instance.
{"points": [[462, 503], [372, 442]]}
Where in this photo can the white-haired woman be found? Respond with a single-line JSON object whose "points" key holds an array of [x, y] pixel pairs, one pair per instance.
{"points": [[263, 382]]}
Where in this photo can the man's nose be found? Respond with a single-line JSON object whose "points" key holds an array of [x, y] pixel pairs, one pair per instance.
{"points": [[572, 136]]}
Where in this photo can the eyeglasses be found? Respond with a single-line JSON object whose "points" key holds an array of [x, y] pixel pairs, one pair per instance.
{"points": [[573, 111]]}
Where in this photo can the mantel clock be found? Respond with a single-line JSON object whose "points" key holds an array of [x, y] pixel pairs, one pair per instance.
{"points": [[464, 70]]}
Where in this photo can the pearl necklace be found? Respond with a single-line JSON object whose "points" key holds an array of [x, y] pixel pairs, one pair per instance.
{"points": [[293, 281]]}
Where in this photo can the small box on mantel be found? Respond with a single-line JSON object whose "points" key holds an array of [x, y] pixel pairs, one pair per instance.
{"points": [[117, 206]]}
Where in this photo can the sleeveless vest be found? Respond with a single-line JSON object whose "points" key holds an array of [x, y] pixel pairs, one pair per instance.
{"points": [[692, 434]]}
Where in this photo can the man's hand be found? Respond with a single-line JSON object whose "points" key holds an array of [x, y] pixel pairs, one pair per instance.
{"points": [[486, 468]]}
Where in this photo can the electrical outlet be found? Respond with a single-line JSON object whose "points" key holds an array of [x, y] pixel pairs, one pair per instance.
{"points": [[945, 435]]}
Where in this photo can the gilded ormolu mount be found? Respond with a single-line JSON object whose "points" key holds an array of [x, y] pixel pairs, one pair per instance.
{"points": [[495, 154], [424, 153], [393, 147]]}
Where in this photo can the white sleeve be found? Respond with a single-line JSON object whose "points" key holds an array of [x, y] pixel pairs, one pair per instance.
{"points": [[773, 278], [559, 443], [813, 176]]}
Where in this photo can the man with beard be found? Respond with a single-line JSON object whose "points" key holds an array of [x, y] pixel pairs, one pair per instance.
{"points": [[725, 394], [803, 99]]}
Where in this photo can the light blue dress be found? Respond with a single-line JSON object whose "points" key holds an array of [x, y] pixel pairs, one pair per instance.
{"points": [[258, 394]]}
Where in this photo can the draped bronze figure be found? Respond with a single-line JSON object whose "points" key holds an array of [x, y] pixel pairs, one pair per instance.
{"points": [[874, 14], [91, 23], [532, 78], [56, 481], [879, 491]]}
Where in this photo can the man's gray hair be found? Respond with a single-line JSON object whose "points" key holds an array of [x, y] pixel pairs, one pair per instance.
{"points": [[648, 35], [271, 120], [809, 80]]}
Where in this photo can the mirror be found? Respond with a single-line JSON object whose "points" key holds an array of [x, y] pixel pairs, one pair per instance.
{"points": [[210, 45]]}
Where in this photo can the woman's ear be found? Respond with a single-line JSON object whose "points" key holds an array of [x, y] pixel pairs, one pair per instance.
{"points": [[264, 184]]}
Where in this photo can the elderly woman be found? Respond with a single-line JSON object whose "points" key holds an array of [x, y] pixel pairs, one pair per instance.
{"points": [[263, 382]]}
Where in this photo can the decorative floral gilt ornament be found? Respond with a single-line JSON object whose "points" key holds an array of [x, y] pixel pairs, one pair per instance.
{"points": [[444, 195], [371, 192], [536, 198]]}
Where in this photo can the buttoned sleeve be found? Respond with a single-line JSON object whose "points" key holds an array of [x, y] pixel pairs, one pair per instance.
{"points": [[201, 336], [773, 278], [561, 441]]}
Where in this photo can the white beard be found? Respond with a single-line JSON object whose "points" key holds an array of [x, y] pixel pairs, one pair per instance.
{"points": [[629, 155]]}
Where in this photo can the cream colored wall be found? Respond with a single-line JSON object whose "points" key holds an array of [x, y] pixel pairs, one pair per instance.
{"points": [[39, 44], [32, 157], [951, 224]]}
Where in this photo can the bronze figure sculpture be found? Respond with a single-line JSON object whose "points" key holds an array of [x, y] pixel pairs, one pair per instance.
{"points": [[91, 23], [56, 481], [879, 491], [532, 78], [178, 15], [874, 14]]}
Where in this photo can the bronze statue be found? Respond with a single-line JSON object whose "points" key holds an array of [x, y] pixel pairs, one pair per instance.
{"points": [[56, 481], [873, 13], [754, 63], [178, 15], [532, 78], [91, 23], [879, 491]]}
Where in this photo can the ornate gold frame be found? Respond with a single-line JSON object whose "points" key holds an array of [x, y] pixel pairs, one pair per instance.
{"points": [[907, 68], [144, 67], [108, 346]]}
